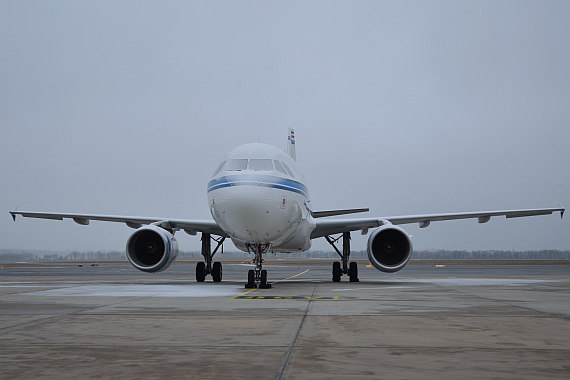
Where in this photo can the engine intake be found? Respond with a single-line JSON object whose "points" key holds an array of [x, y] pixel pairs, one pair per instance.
{"points": [[389, 248], [152, 249]]}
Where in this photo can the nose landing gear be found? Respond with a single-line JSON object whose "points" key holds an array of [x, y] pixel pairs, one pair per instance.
{"points": [[257, 277]]}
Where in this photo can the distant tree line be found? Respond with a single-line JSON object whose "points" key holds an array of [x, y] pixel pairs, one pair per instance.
{"points": [[492, 255], [12, 256]]}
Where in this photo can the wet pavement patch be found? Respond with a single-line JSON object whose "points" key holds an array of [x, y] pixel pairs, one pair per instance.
{"points": [[305, 298]]}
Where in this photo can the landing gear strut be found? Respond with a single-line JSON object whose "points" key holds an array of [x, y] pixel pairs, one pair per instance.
{"points": [[205, 267], [257, 277], [352, 269]]}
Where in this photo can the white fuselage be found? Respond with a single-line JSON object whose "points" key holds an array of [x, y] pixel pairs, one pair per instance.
{"points": [[259, 196]]}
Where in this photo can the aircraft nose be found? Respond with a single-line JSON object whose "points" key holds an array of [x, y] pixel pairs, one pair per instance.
{"points": [[251, 218]]}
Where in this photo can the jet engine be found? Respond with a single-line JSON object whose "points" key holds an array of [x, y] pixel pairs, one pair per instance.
{"points": [[152, 249], [389, 248]]}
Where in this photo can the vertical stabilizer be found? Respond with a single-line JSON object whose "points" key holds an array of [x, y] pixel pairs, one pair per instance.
{"points": [[291, 145]]}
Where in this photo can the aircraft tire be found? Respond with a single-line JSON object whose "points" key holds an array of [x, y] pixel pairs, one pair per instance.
{"points": [[336, 272], [263, 280], [250, 279], [200, 271], [217, 271], [353, 272]]}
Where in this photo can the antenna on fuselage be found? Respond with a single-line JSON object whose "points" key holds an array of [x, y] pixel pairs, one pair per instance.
{"points": [[291, 145]]}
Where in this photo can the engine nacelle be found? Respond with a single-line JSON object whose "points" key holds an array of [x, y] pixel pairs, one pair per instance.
{"points": [[389, 248], [152, 249]]}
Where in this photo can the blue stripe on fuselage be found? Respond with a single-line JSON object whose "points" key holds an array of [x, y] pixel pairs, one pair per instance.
{"points": [[258, 180]]}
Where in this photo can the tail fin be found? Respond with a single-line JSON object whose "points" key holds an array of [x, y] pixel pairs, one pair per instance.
{"points": [[291, 145]]}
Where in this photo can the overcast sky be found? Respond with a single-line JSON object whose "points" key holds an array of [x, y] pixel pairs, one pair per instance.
{"points": [[405, 107]]}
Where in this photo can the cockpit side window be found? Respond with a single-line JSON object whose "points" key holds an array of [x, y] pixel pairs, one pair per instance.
{"points": [[280, 167], [236, 164], [261, 164], [219, 169], [287, 169]]}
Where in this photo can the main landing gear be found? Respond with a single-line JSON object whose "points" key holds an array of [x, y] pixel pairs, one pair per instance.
{"points": [[350, 269], [205, 267], [258, 276]]}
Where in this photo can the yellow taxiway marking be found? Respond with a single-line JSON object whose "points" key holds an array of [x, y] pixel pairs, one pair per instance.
{"points": [[290, 277], [254, 289], [244, 293]]}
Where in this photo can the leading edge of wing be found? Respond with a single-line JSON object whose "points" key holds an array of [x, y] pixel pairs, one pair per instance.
{"points": [[324, 214], [190, 226], [334, 226], [482, 216]]}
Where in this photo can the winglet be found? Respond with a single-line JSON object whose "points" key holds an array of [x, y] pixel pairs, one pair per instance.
{"points": [[13, 213]]}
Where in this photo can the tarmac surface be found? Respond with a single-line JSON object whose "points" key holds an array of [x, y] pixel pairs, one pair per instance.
{"points": [[111, 321]]}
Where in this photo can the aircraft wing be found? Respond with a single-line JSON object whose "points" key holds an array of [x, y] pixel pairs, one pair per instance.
{"points": [[335, 226], [190, 226]]}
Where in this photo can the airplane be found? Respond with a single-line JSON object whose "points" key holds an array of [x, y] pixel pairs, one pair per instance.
{"points": [[258, 197]]}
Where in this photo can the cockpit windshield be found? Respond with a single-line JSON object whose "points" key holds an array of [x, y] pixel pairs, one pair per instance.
{"points": [[236, 164], [256, 164], [261, 164]]}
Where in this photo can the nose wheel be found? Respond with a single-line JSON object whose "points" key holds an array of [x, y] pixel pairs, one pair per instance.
{"points": [[257, 278]]}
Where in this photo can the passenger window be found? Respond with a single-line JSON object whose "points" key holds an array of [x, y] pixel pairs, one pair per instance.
{"points": [[279, 167], [261, 164], [287, 169], [219, 169], [238, 164]]}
